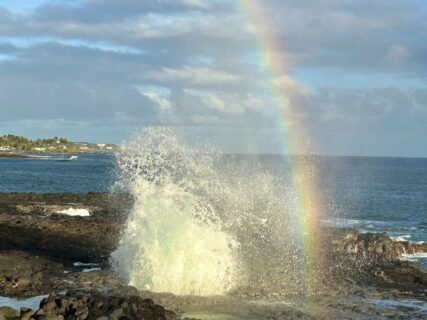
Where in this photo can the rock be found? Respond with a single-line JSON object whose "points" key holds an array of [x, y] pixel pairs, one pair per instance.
{"points": [[402, 275], [29, 222], [95, 305], [25, 314], [38, 248], [373, 247], [7, 313], [26, 275], [23, 274]]}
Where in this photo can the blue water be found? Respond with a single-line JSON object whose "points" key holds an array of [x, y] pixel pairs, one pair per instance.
{"points": [[31, 303], [89, 173], [370, 194], [377, 194]]}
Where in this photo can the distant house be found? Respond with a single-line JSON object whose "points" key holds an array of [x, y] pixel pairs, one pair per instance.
{"points": [[101, 145], [5, 148], [39, 149]]}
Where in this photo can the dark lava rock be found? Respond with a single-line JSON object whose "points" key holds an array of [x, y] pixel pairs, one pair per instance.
{"points": [[96, 305], [402, 275], [375, 260], [7, 313], [38, 247], [26, 275], [30, 222], [373, 247]]}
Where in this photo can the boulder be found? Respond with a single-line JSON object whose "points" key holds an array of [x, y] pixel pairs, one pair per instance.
{"points": [[25, 275], [31, 222], [96, 305], [8, 313], [373, 247]]}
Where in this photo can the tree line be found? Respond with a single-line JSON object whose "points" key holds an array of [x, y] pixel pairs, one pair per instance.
{"points": [[22, 143]]}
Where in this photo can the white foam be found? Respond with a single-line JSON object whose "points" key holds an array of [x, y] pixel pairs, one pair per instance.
{"points": [[164, 247], [91, 269], [352, 223], [202, 221], [75, 212], [403, 238], [414, 256], [39, 157]]}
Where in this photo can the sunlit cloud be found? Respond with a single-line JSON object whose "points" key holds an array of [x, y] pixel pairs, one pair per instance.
{"points": [[352, 66]]}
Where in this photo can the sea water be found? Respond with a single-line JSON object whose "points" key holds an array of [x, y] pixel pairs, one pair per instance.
{"points": [[372, 194], [88, 173]]}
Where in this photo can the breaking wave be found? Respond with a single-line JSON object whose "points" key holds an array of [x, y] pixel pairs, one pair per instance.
{"points": [[203, 222]]}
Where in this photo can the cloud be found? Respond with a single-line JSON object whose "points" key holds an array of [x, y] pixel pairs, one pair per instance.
{"points": [[193, 75], [198, 64], [396, 55], [163, 103]]}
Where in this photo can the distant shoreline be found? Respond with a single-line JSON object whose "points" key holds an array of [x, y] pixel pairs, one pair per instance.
{"points": [[14, 156], [30, 155]]}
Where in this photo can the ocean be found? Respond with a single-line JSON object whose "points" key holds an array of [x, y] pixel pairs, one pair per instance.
{"points": [[88, 173], [372, 194]]}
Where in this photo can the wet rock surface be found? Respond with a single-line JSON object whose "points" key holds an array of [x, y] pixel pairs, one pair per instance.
{"points": [[373, 246], [375, 259], [8, 313], [32, 222], [96, 305], [39, 248], [26, 275]]}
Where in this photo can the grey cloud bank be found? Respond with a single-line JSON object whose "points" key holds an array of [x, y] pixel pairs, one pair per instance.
{"points": [[97, 69]]}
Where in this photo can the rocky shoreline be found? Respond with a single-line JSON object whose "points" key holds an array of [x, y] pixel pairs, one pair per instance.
{"points": [[45, 252], [14, 156]]}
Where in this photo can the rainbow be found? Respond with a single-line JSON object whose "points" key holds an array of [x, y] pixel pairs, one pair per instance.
{"points": [[275, 65]]}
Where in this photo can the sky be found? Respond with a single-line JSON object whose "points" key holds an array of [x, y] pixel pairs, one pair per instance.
{"points": [[97, 70]]}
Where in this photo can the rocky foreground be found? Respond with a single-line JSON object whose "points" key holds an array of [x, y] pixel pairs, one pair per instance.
{"points": [[44, 252]]}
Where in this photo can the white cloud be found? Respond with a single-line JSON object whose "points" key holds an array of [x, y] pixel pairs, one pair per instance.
{"points": [[209, 100], [163, 103], [194, 62], [396, 55], [195, 75]]}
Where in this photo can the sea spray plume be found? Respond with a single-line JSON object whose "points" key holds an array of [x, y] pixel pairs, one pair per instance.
{"points": [[258, 206], [173, 240], [206, 223]]}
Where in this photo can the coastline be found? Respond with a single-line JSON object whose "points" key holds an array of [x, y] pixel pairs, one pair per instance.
{"points": [[57, 251], [48, 156], [14, 155], [32, 155]]}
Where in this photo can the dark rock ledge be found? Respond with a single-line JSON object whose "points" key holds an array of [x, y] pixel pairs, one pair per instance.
{"points": [[81, 305], [38, 247]]}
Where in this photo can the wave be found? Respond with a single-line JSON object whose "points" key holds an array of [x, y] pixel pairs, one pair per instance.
{"points": [[204, 222], [405, 237], [395, 229], [414, 256], [75, 212], [173, 239]]}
